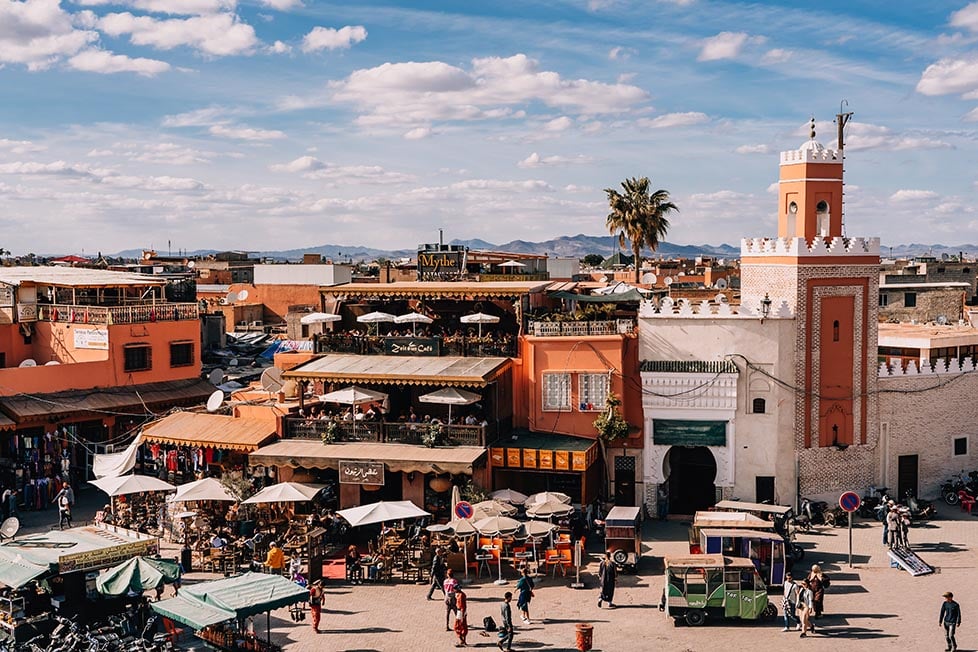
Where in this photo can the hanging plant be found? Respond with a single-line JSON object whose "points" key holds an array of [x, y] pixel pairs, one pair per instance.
{"points": [[472, 492], [611, 425], [432, 436], [331, 433]]}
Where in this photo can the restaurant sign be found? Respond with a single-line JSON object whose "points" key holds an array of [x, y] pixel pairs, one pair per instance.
{"points": [[439, 263], [108, 556], [417, 346], [361, 472], [681, 432]]}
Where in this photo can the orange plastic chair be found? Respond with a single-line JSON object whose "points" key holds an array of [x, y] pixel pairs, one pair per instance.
{"points": [[553, 560], [566, 560]]}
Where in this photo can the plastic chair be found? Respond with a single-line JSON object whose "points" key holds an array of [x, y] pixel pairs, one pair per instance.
{"points": [[566, 560], [553, 560], [967, 500]]}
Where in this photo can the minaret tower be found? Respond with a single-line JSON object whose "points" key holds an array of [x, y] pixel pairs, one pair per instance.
{"points": [[830, 284]]}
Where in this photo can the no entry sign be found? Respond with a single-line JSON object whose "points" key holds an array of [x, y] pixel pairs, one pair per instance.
{"points": [[849, 501], [464, 509]]}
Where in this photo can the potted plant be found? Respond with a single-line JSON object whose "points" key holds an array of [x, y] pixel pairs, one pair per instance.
{"points": [[330, 433]]}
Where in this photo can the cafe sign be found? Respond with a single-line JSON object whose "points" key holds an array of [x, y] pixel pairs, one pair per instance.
{"points": [[361, 472], [109, 556], [414, 346], [439, 263]]}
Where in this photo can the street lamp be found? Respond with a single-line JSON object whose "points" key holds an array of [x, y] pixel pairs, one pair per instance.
{"points": [[765, 306]]}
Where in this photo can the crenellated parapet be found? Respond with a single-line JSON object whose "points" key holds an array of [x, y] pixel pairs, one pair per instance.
{"points": [[925, 368], [684, 308], [800, 248], [816, 154]]}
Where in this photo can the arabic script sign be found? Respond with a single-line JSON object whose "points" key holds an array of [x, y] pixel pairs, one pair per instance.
{"points": [[361, 472], [108, 556], [420, 346]]}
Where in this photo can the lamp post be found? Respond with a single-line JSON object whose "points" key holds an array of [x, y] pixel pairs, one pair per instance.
{"points": [[765, 306]]}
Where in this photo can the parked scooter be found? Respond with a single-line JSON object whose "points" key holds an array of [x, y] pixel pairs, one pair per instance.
{"points": [[920, 509]]}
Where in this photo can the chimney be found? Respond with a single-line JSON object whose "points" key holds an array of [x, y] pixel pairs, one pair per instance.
{"points": [[281, 397]]}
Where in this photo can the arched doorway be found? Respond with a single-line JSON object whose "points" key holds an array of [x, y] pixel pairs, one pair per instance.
{"points": [[692, 472]]}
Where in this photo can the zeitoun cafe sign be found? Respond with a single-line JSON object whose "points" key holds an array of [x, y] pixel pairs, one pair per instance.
{"points": [[361, 472]]}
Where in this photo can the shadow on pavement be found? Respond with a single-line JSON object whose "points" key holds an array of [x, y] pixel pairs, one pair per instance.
{"points": [[942, 546], [363, 630], [853, 632], [564, 621], [848, 589]]}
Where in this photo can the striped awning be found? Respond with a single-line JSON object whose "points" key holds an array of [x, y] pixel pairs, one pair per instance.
{"points": [[213, 430], [364, 369]]}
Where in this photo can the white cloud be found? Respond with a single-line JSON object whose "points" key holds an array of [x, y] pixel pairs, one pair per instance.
{"points": [[414, 93], [216, 35], [966, 18], [718, 197], [100, 176], [278, 47], [282, 5], [949, 76], [753, 149], [418, 133], [328, 38], [165, 153], [912, 195], [863, 136], [104, 62], [558, 124], [309, 167], [777, 55], [38, 34], [971, 116], [198, 117], [175, 7], [725, 45], [534, 160], [620, 53], [669, 120], [240, 132], [19, 146]]}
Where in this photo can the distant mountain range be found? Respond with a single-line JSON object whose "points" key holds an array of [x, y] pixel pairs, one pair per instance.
{"points": [[567, 246]]}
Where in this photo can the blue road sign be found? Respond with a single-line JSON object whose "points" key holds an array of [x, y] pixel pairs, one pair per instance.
{"points": [[849, 501], [464, 509]]}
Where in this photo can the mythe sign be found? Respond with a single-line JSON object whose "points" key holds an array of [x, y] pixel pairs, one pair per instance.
{"points": [[361, 472]]}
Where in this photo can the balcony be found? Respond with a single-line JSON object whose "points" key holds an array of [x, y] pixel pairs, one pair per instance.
{"points": [[448, 346], [388, 432], [581, 328], [111, 315]]}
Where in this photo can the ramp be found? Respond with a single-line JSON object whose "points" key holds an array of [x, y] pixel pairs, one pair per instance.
{"points": [[908, 560]]}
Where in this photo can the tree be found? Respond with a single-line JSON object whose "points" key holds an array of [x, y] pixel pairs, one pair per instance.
{"points": [[593, 260], [639, 216]]}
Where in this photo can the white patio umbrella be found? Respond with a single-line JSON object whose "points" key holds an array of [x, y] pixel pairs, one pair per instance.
{"points": [[509, 496], [206, 489], [131, 484], [285, 492], [413, 318], [495, 508], [450, 396], [498, 526], [319, 318], [479, 318], [382, 512], [512, 265], [546, 496], [375, 318], [549, 509], [353, 395]]}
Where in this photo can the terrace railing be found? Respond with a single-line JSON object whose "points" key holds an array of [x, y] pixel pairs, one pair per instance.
{"points": [[388, 432], [137, 314], [581, 328]]}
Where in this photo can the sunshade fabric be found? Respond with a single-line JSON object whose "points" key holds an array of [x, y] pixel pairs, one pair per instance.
{"points": [[479, 318], [450, 396], [381, 512], [549, 508], [205, 489], [192, 612], [413, 318], [106, 465], [299, 453], [17, 573], [285, 492], [319, 318], [375, 318], [547, 496], [535, 530], [509, 496], [131, 484], [353, 396], [495, 508], [216, 430], [249, 594], [138, 574], [497, 525], [442, 371]]}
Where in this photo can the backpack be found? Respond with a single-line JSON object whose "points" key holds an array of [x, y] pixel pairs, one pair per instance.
{"points": [[826, 582], [489, 624]]}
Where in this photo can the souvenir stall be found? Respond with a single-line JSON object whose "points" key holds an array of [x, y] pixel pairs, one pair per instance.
{"points": [[137, 502]]}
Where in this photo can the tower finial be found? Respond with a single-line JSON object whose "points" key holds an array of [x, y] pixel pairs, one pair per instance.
{"points": [[813, 128]]}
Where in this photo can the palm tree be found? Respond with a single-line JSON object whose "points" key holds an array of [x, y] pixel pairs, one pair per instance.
{"points": [[639, 216]]}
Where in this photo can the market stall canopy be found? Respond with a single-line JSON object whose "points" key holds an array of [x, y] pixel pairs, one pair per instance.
{"points": [[353, 396], [199, 429], [546, 497], [79, 548], [509, 496], [192, 612], [311, 454], [246, 595], [137, 575], [131, 484], [206, 489], [497, 526], [382, 512], [440, 371], [15, 573], [285, 492], [319, 318]]}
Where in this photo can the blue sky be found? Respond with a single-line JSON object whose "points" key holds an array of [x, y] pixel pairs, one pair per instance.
{"points": [[274, 124]]}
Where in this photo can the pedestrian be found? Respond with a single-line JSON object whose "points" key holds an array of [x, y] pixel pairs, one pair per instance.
{"points": [[662, 501], [64, 511], [805, 608], [886, 513], [608, 576], [506, 631], [525, 593], [275, 559], [892, 526], [817, 583], [316, 603], [950, 618], [789, 603], [450, 587], [461, 616], [437, 573], [905, 528]]}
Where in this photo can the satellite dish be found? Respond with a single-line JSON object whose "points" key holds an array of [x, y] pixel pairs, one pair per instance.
{"points": [[649, 278], [942, 320], [945, 257], [721, 284], [51, 363], [214, 401], [720, 298], [242, 295], [271, 380], [668, 280], [9, 528], [29, 362], [216, 376], [233, 362], [191, 264], [231, 297]]}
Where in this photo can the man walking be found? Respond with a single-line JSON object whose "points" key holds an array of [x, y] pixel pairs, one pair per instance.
{"points": [[789, 602], [64, 510], [608, 576], [950, 618], [506, 627], [437, 573]]}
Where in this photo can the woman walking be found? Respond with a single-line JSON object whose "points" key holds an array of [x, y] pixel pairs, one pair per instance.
{"points": [[461, 616], [450, 587], [608, 576], [817, 581], [805, 608], [316, 603], [525, 587]]}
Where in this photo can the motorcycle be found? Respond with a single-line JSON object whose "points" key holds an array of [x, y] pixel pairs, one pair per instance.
{"points": [[871, 500], [814, 511], [920, 509]]}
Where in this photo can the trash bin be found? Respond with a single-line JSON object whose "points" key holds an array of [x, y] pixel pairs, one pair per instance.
{"points": [[584, 636], [186, 559]]}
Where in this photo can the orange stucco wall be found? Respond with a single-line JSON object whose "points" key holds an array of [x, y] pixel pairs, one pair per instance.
{"points": [[807, 184], [278, 298], [836, 333], [574, 355]]}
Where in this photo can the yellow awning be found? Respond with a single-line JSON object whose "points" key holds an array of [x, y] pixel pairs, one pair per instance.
{"points": [[214, 430], [443, 371], [313, 454]]}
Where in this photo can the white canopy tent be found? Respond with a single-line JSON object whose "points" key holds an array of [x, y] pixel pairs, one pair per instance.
{"points": [[319, 318], [285, 492], [450, 396], [382, 512]]}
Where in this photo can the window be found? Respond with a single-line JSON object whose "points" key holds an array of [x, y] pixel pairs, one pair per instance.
{"points": [[884, 300], [181, 354], [556, 391], [835, 331], [593, 391], [909, 299], [138, 357], [960, 446], [758, 406]]}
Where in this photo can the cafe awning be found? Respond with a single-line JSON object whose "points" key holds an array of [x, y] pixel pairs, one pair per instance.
{"points": [[312, 454], [215, 430], [442, 371]]}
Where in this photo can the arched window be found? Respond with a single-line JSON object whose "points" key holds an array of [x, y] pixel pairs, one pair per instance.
{"points": [[835, 331], [759, 406], [822, 214]]}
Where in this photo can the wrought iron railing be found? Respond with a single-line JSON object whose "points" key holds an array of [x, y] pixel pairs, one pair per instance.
{"points": [[580, 328], [473, 347], [78, 314], [389, 432]]}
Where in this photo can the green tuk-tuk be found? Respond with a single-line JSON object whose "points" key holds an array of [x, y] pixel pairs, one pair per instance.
{"points": [[714, 586]]}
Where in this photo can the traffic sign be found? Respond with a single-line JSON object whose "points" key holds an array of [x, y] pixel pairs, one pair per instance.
{"points": [[849, 501], [464, 509]]}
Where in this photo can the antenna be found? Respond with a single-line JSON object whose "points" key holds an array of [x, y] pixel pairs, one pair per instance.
{"points": [[841, 120], [216, 376], [271, 380], [668, 280], [215, 400], [51, 363]]}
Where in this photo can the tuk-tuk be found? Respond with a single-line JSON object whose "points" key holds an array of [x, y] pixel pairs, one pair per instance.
{"points": [[714, 586], [741, 521], [623, 536], [765, 549]]}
